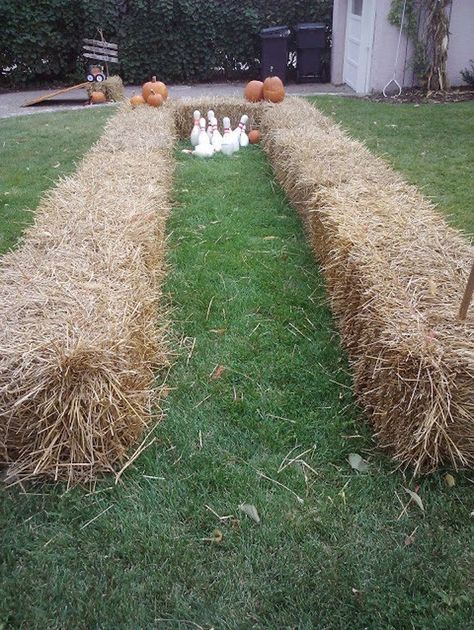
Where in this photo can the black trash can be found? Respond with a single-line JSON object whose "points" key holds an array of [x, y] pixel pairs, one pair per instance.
{"points": [[310, 44], [274, 51]]}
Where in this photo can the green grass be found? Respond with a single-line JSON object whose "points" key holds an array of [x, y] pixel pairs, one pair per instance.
{"points": [[247, 295], [34, 151], [432, 145]]}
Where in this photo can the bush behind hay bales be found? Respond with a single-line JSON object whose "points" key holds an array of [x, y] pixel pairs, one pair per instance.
{"points": [[396, 274], [78, 305]]}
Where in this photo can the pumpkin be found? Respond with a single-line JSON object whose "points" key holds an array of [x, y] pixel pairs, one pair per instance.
{"points": [[137, 99], [255, 136], [148, 87], [273, 90], [254, 91], [160, 88], [98, 97], [155, 100]]}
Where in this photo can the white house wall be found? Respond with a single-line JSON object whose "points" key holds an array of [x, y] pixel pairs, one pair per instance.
{"points": [[384, 50], [461, 45], [461, 39]]}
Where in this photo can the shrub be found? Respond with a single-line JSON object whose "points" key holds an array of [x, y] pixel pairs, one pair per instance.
{"points": [[179, 40], [468, 75]]}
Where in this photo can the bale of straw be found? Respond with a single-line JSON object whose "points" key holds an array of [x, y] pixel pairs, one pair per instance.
{"points": [[234, 108], [396, 274], [112, 87], [80, 335]]}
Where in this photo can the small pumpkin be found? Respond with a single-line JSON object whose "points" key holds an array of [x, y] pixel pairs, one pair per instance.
{"points": [[255, 136], [254, 91], [273, 90], [136, 100], [98, 97], [155, 100]]}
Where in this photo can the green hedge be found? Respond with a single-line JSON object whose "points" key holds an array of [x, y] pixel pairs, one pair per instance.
{"points": [[178, 40]]}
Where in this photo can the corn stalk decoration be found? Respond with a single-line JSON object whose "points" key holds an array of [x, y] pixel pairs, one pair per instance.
{"points": [[427, 24]]}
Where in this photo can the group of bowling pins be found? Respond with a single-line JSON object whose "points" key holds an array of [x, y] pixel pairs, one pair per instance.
{"points": [[208, 141]]}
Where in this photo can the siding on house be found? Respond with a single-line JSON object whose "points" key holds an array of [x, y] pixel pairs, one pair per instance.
{"points": [[461, 39], [384, 45], [384, 50]]}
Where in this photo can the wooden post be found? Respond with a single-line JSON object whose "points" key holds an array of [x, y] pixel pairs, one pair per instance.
{"points": [[467, 297], [106, 63]]}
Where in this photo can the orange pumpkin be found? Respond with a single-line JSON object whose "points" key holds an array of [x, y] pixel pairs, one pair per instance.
{"points": [[273, 90], [160, 88], [255, 136], [98, 97], [137, 99], [254, 91], [155, 100]]}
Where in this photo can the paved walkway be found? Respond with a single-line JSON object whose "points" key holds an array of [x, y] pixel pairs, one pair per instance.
{"points": [[11, 102]]}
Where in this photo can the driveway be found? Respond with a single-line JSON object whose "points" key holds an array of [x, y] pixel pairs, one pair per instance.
{"points": [[11, 102]]}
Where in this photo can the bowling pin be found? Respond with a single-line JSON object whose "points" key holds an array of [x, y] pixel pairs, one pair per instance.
{"points": [[210, 116], [227, 147], [196, 130], [216, 140], [203, 137]]}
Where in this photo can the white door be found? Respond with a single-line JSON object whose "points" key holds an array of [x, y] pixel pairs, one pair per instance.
{"points": [[358, 48]]}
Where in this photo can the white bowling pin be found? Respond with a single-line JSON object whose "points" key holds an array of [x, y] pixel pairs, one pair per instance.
{"points": [[203, 137], [210, 116], [201, 150], [241, 129], [228, 139], [196, 130], [244, 139], [216, 140]]}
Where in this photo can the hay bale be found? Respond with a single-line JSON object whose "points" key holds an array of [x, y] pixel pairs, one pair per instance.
{"points": [[78, 305], [396, 274], [112, 87], [231, 107]]}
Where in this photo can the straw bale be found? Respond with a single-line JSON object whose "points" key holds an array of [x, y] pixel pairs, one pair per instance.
{"points": [[396, 273], [112, 87], [79, 305], [234, 108]]}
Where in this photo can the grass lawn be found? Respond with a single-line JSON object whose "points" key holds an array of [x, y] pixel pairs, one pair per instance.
{"points": [[432, 145], [34, 151], [334, 549]]}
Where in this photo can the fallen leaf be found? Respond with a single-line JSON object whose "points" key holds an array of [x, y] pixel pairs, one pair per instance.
{"points": [[217, 372], [218, 331], [357, 463], [416, 498], [409, 540], [449, 480], [269, 238], [57, 165], [251, 511]]}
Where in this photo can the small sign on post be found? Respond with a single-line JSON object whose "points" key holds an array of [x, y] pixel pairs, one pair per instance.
{"points": [[100, 50]]}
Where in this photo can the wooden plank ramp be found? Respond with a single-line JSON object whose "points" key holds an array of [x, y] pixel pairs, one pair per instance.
{"points": [[40, 99]]}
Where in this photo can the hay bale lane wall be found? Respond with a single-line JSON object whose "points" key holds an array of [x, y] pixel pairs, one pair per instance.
{"points": [[395, 274], [78, 303]]}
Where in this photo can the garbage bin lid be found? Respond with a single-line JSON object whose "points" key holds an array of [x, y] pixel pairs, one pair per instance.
{"points": [[275, 31], [310, 26]]}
